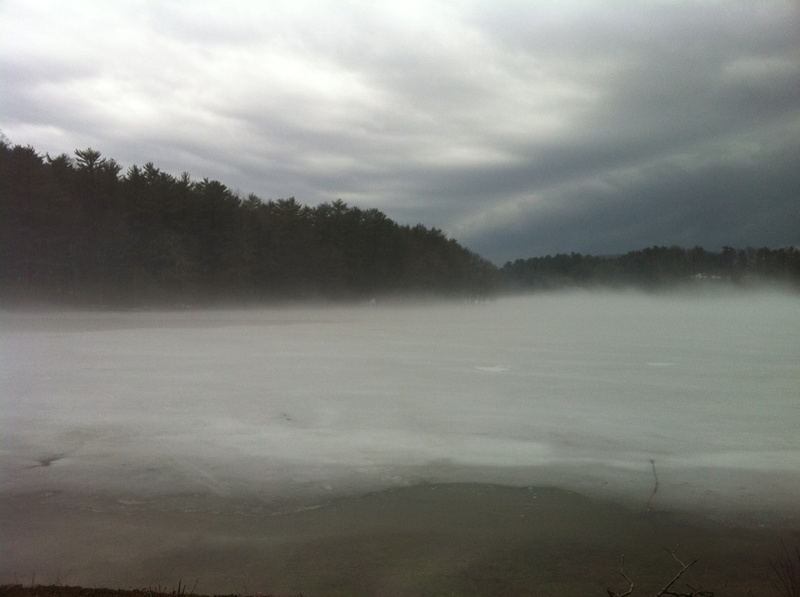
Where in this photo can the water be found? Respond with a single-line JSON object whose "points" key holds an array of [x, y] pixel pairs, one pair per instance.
{"points": [[582, 391]]}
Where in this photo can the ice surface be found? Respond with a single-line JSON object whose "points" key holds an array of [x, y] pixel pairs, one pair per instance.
{"points": [[576, 390]]}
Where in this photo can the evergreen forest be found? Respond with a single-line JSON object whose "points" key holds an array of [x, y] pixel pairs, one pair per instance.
{"points": [[78, 231], [656, 268]]}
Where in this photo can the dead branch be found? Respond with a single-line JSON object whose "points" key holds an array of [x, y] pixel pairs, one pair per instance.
{"points": [[655, 487], [625, 576], [788, 574], [667, 590], [684, 567]]}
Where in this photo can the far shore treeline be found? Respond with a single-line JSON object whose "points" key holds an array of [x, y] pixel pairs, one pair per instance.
{"points": [[75, 231]]}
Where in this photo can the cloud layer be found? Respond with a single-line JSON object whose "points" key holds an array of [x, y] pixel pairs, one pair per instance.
{"points": [[519, 128]]}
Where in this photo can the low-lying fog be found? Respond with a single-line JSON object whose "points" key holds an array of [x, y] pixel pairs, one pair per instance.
{"points": [[574, 390]]}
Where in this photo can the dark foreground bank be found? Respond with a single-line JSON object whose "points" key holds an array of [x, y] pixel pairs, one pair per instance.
{"points": [[66, 591], [442, 539]]}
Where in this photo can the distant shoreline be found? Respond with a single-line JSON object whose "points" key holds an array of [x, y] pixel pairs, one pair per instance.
{"points": [[37, 302]]}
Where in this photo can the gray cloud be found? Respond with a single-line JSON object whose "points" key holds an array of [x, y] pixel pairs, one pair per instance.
{"points": [[519, 128], [720, 205]]}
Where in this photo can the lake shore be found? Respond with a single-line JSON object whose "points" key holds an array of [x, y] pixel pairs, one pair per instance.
{"points": [[428, 539]]}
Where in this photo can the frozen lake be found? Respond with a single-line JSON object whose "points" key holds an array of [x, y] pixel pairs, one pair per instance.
{"points": [[576, 391]]}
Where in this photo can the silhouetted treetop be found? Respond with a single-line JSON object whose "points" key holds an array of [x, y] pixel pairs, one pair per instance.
{"points": [[74, 229]]}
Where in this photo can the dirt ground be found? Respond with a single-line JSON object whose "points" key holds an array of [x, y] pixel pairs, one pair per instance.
{"points": [[437, 539]]}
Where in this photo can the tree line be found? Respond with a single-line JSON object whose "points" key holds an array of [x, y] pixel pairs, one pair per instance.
{"points": [[656, 267], [76, 229]]}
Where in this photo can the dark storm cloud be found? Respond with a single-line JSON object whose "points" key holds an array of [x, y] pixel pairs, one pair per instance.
{"points": [[518, 128], [710, 208]]}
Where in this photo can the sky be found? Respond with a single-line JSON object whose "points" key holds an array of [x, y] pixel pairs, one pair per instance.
{"points": [[520, 128]]}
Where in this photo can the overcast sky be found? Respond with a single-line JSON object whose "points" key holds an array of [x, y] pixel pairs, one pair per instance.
{"points": [[520, 128]]}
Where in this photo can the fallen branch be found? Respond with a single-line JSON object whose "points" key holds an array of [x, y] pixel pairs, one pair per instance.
{"points": [[655, 487], [684, 568], [625, 576], [667, 590]]}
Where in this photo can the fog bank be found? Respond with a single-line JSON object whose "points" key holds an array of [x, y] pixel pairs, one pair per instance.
{"points": [[576, 391]]}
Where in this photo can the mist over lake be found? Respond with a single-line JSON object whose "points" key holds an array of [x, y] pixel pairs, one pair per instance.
{"points": [[674, 403], [314, 400]]}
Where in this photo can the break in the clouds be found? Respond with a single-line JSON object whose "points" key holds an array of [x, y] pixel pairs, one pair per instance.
{"points": [[520, 128]]}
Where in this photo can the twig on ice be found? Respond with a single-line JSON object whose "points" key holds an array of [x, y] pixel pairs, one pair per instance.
{"points": [[667, 590], [625, 576], [684, 568], [655, 487]]}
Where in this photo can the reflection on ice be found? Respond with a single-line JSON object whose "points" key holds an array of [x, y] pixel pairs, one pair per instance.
{"points": [[574, 390]]}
